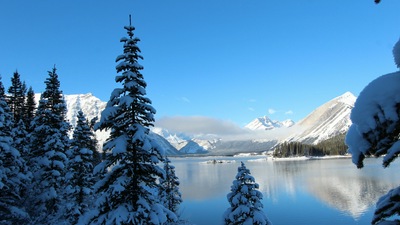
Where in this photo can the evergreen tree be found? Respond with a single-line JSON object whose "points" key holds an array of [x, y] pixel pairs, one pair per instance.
{"points": [[21, 143], [97, 156], [49, 142], [245, 201], [375, 131], [30, 108], [16, 98], [170, 194], [80, 178], [12, 176], [129, 191]]}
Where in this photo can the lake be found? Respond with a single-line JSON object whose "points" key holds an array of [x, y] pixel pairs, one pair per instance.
{"points": [[302, 192]]}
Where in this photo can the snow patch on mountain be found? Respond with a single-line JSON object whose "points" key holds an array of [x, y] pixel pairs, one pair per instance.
{"points": [[92, 107], [265, 123], [186, 144], [327, 121]]}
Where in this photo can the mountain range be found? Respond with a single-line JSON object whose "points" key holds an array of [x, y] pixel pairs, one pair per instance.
{"points": [[330, 119], [265, 123]]}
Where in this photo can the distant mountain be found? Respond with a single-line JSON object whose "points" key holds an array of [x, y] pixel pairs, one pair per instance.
{"points": [[92, 107], [186, 144], [265, 123], [213, 145], [328, 120], [165, 145]]}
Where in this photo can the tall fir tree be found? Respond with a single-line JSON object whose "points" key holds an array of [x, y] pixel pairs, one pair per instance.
{"points": [[97, 156], [30, 108], [49, 142], [21, 142], [169, 192], [16, 97], [129, 191], [245, 201], [80, 170], [375, 131], [12, 175]]}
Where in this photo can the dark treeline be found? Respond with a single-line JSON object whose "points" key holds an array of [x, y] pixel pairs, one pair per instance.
{"points": [[332, 146]]}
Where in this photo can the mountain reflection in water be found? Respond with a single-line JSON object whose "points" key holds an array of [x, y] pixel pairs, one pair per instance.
{"points": [[336, 183]]}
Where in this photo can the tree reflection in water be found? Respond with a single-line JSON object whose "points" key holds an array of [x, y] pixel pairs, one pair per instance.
{"points": [[335, 183]]}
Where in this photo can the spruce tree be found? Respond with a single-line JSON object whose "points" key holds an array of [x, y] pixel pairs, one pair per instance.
{"points": [[16, 97], [245, 201], [49, 142], [12, 175], [375, 131], [128, 192], [97, 156], [170, 194], [80, 170], [21, 143], [30, 108]]}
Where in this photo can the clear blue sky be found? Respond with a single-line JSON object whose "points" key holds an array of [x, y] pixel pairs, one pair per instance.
{"points": [[229, 60]]}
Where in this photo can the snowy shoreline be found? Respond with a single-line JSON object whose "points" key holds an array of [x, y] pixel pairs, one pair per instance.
{"points": [[302, 158], [259, 158]]}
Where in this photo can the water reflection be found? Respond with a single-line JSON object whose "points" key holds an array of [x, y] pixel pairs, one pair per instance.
{"points": [[335, 183], [350, 190]]}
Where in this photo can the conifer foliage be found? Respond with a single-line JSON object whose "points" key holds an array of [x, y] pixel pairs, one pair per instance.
{"points": [[49, 143], [12, 172], [129, 191], [245, 201], [16, 97], [80, 170], [375, 131], [30, 108], [170, 193]]}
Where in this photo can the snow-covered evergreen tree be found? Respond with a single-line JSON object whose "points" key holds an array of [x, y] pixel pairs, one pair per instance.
{"points": [[12, 175], [375, 131], [16, 97], [245, 201], [30, 108], [97, 156], [169, 192], [129, 191], [80, 170], [21, 143], [49, 142]]}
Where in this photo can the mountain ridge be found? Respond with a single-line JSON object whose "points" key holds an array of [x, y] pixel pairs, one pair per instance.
{"points": [[329, 119], [265, 123]]}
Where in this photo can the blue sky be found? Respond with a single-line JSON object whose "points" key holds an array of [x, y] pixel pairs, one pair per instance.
{"points": [[226, 60]]}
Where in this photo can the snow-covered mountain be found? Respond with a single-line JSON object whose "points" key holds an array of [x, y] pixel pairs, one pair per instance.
{"points": [[328, 120], [92, 107], [186, 144], [265, 123], [212, 144]]}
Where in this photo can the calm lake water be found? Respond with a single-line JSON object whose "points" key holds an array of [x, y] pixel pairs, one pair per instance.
{"points": [[312, 192]]}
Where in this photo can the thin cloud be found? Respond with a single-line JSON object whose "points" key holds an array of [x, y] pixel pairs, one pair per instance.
{"points": [[271, 111], [251, 109], [198, 125], [184, 99], [252, 100], [289, 112], [226, 130]]}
